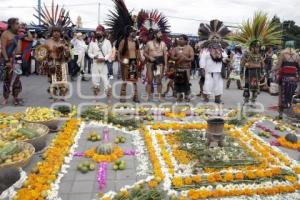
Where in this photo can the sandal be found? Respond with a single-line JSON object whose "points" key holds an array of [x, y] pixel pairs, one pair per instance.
{"points": [[18, 102]]}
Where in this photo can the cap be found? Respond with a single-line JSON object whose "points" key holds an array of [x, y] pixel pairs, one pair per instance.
{"points": [[100, 28]]}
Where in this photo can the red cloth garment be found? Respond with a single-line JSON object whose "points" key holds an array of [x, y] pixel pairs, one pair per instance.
{"points": [[26, 46]]}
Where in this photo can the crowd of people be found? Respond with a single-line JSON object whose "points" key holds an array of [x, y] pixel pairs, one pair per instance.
{"points": [[149, 56]]}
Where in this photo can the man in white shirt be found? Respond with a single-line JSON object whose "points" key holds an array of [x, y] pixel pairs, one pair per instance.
{"points": [[211, 62], [79, 52], [100, 51]]}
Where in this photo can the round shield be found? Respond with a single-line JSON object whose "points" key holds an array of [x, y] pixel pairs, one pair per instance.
{"points": [[41, 53]]}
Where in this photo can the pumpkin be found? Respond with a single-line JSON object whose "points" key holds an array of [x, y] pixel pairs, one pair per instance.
{"points": [[290, 137], [104, 149]]}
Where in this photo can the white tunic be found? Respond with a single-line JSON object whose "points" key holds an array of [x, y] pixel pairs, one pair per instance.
{"points": [[99, 70], [79, 49], [213, 80]]}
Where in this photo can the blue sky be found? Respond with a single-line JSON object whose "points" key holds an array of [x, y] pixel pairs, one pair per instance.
{"points": [[232, 12]]}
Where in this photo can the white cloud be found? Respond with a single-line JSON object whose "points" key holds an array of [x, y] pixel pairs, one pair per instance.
{"points": [[230, 11]]}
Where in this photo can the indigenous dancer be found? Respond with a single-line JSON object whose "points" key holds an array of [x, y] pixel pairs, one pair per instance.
{"points": [[288, 68], [260, 31], [100, 51], [212, 58], [153, 32], [11, 52], [125, 32], [253, 63], [56, 51], [183, 56], [57, 62]]}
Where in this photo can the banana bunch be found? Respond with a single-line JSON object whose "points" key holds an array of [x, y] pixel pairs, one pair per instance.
{"points": [[40, 114]]}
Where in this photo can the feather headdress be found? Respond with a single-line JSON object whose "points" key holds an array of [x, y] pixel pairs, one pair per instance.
{"points": [[258, 30], [214, 32], [152, 21], [55, 18]]}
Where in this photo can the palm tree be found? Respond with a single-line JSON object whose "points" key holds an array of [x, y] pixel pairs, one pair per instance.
{"points": [[259, 28]]}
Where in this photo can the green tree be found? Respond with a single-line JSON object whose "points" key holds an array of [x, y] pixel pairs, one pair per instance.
{"points": [[290, 30]]}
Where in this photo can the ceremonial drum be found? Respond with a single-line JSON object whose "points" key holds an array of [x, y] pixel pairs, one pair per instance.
{"points": [[215, 132]]}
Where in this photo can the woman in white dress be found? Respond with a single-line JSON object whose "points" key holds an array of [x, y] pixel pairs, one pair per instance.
{"points": [[235, 70]]}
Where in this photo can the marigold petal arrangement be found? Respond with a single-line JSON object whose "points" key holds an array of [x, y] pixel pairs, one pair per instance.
{"points": [[173, 159]]}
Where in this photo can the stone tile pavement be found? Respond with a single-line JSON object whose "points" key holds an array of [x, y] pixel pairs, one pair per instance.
{"points": [[75, 185]]}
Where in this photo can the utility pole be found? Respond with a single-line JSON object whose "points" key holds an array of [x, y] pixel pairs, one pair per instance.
{"points": [[39, 8], [99, 12]]}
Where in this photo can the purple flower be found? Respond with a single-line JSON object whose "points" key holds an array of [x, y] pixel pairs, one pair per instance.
{"points": [[129, 152], [102, 175], [275, 143], [78, 154]]}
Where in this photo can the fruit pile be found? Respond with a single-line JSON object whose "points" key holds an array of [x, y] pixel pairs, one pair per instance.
{"points": [[21, 134], [10, 152], [131, 123], [148, 118], [94, 137], [264, 134], [85, 167], [119, 165], [40, 114], [67, 111], [144, 191], [120, 139], [105, 149], [280, 128], [93, 113], [6, 119]]}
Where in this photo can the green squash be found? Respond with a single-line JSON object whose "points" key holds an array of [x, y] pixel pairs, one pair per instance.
{"points": [[105, 149]]}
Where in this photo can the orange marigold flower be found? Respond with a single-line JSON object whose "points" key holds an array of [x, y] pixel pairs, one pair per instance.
{"points": [[193, 194], [239, 176], [197, 179], [250, 175], [260, 173], [228, 177], [188, 180], [211, 178]]}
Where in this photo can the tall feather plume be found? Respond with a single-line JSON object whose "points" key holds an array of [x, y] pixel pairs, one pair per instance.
{"points": [[56, 17], [259, 28], [119, 20]]}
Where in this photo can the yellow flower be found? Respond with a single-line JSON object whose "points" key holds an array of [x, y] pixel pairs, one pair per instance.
{"points": [[177, 182], [297, 170], [152, 184], [291, 179]]}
